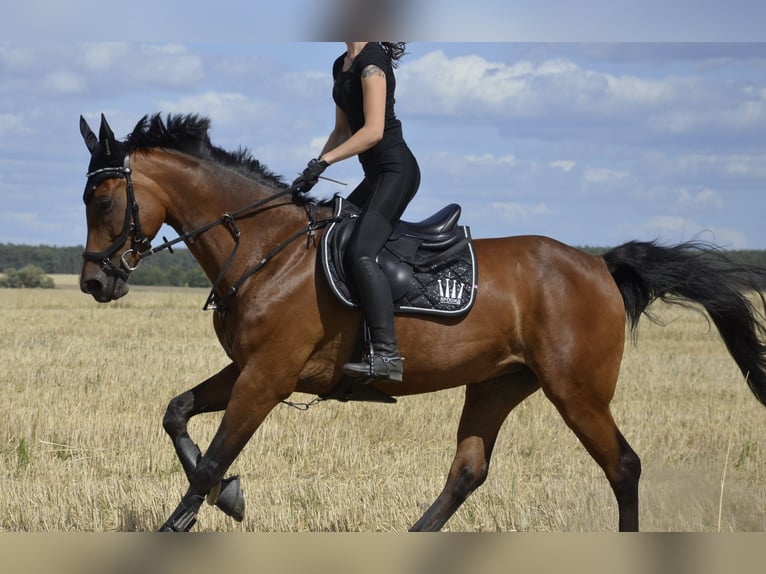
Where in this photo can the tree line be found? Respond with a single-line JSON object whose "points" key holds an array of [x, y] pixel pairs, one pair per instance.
{"points": [[178, 269], [182, 270]]}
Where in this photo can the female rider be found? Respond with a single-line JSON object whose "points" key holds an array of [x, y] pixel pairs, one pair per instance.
{"points": [[366, 126]]}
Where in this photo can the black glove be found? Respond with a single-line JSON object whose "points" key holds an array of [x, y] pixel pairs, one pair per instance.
{"points": [[306, 180]]}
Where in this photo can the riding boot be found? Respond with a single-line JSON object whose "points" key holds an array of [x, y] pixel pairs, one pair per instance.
{"points": [[383, 364]]}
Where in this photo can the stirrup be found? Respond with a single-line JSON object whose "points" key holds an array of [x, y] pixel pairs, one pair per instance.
{"points": [[376, 368]]}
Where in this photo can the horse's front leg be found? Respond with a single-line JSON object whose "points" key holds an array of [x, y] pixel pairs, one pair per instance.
{"points": [[250, 400], [210, 396]]}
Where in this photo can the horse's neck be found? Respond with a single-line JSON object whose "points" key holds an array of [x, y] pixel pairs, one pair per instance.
{"points": [[198, 193]]}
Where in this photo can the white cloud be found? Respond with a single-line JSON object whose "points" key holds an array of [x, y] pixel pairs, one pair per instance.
{"points": [[603, 175], [311, 85], [316, 144], [563, 165], [630, 90], [168, 65], [205, 101], [712, 108], [520, 211], [435, 84], [105, 56], [752, 166], [228, 110], [710, 166], [670, 228], [675, 229], [730, 238], [491, 160], [64, 82], [17, 57], [11, 123], [701, 198], [23, 217], [34, 76], [474, 86], [35, 223], [569, 103]]}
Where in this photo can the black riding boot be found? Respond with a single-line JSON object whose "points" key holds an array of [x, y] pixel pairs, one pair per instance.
{"points": [[385, 363]]}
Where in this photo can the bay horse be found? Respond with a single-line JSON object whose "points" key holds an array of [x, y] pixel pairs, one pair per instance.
{"points": [[547, 316]]}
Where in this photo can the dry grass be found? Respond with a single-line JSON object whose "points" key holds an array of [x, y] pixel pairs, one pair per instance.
{"points": [[82, 446]]}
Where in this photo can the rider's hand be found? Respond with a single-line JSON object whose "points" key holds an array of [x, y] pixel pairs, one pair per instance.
{"points": [[306, 180]]}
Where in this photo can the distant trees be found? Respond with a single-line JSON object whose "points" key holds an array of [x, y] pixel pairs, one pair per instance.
{"points": [[49, 259], [176, 269], [28, 277]]}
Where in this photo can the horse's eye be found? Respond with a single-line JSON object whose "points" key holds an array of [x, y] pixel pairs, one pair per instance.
{"points": [[105, 205]]}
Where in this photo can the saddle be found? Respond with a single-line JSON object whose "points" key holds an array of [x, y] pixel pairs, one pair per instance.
{"points": [[430, 265]]}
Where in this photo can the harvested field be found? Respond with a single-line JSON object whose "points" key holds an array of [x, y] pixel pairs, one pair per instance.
{"points": [[82, 446]]}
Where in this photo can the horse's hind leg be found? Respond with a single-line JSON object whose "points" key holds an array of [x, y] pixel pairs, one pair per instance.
{"points": [[212, 395], [587, 413], [486, 406]]}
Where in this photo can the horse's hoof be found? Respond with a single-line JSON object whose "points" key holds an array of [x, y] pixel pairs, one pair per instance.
{"points": [[168, 527], [231, 500], [184, 517]]}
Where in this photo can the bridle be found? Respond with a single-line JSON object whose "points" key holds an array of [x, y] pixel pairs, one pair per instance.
{"points": [[141, 247], [139, 244]]}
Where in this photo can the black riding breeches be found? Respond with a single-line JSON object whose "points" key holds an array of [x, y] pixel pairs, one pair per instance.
{"points": [[389, 185]]}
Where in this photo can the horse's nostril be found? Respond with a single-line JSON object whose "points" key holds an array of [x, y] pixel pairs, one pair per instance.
{"points": [[92, 286]]}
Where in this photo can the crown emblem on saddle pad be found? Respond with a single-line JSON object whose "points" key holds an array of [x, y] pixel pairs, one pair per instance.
{"points": [[451, 293]]}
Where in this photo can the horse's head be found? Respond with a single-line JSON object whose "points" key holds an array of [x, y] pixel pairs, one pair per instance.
{"points": [[116, 238]]}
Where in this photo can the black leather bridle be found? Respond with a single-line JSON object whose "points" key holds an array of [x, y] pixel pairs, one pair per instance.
{"points": [[130, 229]]}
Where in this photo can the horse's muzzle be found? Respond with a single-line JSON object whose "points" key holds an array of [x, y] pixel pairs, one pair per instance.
{"points": [[102, 287]]}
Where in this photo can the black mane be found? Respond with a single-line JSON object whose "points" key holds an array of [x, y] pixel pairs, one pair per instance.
{"points": [[188, 133]]}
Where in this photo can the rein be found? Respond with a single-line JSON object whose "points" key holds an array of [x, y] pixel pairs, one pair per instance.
{"points": [[141, 244], [229, 220], [216, 302], [219, 303]]}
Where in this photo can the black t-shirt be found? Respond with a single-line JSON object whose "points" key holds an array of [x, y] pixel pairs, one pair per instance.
{"points": [[347, 93]]}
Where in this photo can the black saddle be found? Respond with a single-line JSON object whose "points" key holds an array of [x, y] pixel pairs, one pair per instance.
{"points": [[430, 265]]}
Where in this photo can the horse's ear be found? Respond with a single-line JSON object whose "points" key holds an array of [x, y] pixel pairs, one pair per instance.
{"points": [[106, 137], [91, 141]]}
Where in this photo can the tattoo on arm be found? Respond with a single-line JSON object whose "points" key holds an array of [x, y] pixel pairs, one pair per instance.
{"points": [[372, 70]]}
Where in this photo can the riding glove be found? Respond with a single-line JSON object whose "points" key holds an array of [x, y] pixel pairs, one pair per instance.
{"points": [[306, 180]]}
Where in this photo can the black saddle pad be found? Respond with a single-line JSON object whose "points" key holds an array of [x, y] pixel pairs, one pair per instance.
{"points": [[430, 268]]}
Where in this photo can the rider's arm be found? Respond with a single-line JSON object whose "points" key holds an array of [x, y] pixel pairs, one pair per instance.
{"points": [[374, 101], [340, 133]]}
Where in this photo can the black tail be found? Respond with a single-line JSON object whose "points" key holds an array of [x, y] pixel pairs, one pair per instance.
{"points": [[699, 273]]}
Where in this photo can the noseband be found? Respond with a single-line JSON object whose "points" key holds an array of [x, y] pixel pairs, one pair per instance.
{"points": [[131, 228]]}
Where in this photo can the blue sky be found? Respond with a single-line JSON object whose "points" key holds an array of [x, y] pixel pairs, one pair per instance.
{"points": [[591, 142]]}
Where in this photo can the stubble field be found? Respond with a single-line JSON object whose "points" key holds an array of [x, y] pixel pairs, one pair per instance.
{"points": [[82, 446]]}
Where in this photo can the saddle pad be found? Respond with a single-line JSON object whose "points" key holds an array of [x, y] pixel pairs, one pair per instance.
{"points": [[443, 286]]}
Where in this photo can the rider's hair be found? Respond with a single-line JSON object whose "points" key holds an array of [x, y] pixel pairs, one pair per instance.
{"points": [[394, 51]]}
